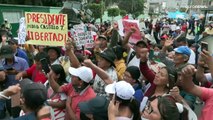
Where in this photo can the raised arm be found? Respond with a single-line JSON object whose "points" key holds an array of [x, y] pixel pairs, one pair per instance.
{"points": [[54, 85], [70, 52], [185, 80], [208, 59], [125, 41], [145, 70], [115, 36], [20, 75], [100, 72]]}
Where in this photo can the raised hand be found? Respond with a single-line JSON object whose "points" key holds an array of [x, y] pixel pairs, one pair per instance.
{"points": [[133, 29], [206, 57], [168, 42], [188, 71], [88, 63], [69, 45], [11, 90]]}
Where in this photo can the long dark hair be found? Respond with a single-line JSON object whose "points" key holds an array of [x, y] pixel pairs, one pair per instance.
{"points": [[168, 109], [59, 70], [133, 106]]}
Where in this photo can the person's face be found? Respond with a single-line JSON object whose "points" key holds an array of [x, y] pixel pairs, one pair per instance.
{"points": [[171, 55], [52, 54], [55, 76], [2, 76], [179, 58], [103, 43], [75, 81], [102, 63], [41, 48], [151, 111], [161, 78], [162, 42], [4, 38], [128, 78], [140, 49], [38, 65], [156, 49], [14, 46]]}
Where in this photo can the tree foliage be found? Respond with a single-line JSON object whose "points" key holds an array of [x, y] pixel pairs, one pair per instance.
{"points": [[33, 2], [123, 12], [134, 7], [112, 12], [96, 10]]}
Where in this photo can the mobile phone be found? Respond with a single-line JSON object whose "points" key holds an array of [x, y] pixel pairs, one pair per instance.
{"points": [[15, 100], [45, 65], [9, 69], [204, 46]]}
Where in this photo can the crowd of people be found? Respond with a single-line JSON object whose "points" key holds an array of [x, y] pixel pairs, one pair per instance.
{"points": [[158, 78]]}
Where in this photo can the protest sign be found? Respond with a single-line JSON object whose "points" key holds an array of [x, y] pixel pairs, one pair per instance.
{"points": [[125, 27], [82, 37], [46, 29], [22, 33]]}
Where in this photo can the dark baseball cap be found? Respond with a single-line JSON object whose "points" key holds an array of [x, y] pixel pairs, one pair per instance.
{"points": [[103, 37], [6, 52], [35, 93], [13, 41], [97, 105]]}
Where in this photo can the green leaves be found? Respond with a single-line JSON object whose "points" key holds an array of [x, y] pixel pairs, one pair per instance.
{"points": [[96, 9], [112, 12]]}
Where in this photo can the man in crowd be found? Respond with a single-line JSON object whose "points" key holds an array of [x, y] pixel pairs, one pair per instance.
{"points": [[18, 51], [77, 91]]}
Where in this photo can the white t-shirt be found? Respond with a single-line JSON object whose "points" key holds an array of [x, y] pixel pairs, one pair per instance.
{"points": [[209, 77], [135, 61], [173, 27], [192, 57]]}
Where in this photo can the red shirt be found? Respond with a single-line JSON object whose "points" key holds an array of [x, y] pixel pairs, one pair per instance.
{"points": [[150, 76], [184, 28], [36, 75], [86, 95]]}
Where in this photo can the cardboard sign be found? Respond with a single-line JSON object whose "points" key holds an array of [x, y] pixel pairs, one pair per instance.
{"points": [[22, 33], [125, 27], [82, 37], [46, 29]]}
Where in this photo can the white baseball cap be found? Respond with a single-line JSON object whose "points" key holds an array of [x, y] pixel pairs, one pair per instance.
{"points": [[84, 73], [177, 28], [122, 89]]}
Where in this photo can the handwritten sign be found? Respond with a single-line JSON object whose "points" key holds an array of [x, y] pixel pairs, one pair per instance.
{"points": [[46, 29], [82, 37], [22, 33]]}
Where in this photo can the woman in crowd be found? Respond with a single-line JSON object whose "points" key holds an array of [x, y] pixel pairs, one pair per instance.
{"points": [[57, 100], [123, 106], [161, 83], [164, 108]]}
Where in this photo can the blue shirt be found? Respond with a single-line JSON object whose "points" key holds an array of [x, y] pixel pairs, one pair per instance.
{"points": [[21, 53], [138, 93], [19, 64], [30, 116]]}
